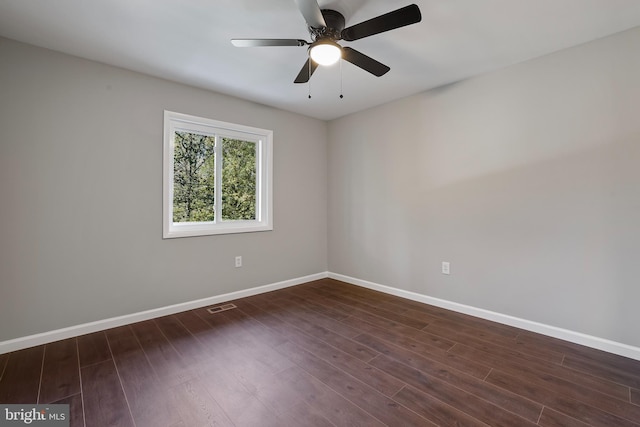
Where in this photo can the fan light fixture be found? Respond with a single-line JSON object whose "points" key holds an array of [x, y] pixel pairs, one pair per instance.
{"points": [[327, 26], [325, 52]]}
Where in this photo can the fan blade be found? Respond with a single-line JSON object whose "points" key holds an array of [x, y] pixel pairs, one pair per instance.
{"points": [[311, 13], [389, 21], [306, 72], [363, 61], [267, 42]]}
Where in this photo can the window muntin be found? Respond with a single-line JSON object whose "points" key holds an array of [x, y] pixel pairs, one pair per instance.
{"points": [[217, 177]]}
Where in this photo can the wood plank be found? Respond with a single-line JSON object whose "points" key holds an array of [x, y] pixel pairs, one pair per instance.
{"points": [[435, 410], [103, 398], [551, 418], [258, 330], [21, 378], [234, 335], [371, 376], [468, 337], [320, 303], [516, 362], [370, 296], [624, 376], [93, 348], [194, 323], [122, 341], [307, 300], [475, 398], [283, 399], [60, 371], [338, 358], [348, 346], [417, 335], [76, 412], [635, 396], [3, 362], [141, 386], [385, 314], [223, 351], [484, 334], [604, 359], [549, 397], [349, 294], [436, 313], [185, 343], [169, 366], [381, 407], [302, 415], [265, 323], [579, 351], [592, 397], [301, 309], [144, 392], [414, 309], [409, 308], [238, 399], [196, 406], [397, 339], [425, 360], [409, 312], [320, 397]]}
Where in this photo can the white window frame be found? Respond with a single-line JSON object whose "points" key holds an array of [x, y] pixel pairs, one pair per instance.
{"points": [[264, 146]]}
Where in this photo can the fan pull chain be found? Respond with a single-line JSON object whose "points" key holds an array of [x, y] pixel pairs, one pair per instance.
{"points": [[309, 81], [341, 80]]}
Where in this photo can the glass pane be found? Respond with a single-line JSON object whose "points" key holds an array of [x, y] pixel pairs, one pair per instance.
{"points": [[239, 174], [193, 177]]}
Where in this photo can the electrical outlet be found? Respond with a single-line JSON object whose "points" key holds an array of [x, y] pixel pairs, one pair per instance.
{"points": [[238, 261], [446, 267]]}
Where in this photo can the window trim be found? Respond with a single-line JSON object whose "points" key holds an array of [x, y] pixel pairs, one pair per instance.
{"points": [[264, 205]]}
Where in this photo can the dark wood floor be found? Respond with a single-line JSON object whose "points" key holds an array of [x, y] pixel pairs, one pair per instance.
{"points": [[322, 354]]}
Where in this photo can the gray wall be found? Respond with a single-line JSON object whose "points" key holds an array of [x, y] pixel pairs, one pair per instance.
{"points": [[81, 196], [527, 180]]}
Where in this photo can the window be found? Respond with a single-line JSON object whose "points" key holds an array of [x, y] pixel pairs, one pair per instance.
{"points": [[217, 177]]}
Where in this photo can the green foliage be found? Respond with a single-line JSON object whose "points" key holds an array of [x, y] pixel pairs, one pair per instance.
{"points": [[238, 180], [194, 178]]}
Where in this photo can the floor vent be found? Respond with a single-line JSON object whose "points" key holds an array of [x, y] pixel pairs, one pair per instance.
{"points": [[219, 308]]}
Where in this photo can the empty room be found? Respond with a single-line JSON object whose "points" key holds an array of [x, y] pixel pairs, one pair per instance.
{"points": [[320, 213]]}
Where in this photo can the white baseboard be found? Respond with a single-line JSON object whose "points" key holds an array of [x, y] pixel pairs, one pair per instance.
{"points": [[100, 325], [552, 331]]}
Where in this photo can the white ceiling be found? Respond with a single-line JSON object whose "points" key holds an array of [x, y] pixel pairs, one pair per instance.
{"points": [[189, 41]]}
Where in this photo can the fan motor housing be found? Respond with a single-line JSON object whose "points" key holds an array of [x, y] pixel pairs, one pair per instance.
{"points": [[335, 20], [335, 24]]}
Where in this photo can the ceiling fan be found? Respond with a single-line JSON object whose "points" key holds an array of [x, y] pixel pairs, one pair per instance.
{"points": [[326, 28]]}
